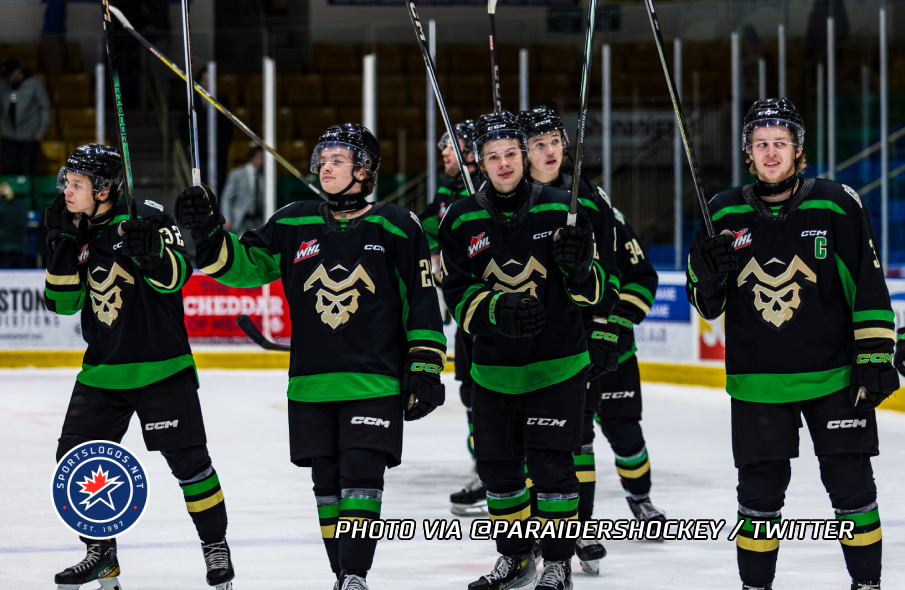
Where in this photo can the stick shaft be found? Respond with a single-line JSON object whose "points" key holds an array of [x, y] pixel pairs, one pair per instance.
{"points": [[494, 65], [583, 112], [680, 116], [432, 73], [190, 96]]}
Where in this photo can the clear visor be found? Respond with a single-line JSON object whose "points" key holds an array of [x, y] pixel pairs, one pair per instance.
{"points": [[497, 143], [780, 133], [445, 143], [85, 181], [538, 143], [339, 153]]}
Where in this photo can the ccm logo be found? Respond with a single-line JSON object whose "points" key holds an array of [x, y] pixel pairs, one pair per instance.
{"points": [[375, 247], [543, 235], [161, 425], [617, 395], [833, 424], [813, 232], [546, 422], [371, 421]]}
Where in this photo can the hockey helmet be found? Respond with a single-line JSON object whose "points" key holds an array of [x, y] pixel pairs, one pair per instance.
{"points": [[541, 120], [465, 130], [501, 125], [772, 112], [101, 163], [357, 138]]}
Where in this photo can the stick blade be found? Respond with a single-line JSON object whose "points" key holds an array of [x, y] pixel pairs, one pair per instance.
{"points": [[251, 330]]}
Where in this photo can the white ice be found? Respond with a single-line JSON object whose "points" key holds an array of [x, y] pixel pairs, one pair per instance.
{"points": [[273, 529]]}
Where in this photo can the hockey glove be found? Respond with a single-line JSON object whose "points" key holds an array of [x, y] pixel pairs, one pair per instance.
{"points": [[517, 315], [143, 243], [197, 209], [63, 225], [713, 258], [573, 251], [873, 379], [422, 391], [626, 333], [603, 347], [899, 358]]}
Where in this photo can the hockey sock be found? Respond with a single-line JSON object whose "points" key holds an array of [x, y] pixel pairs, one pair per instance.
{"points": [[470, 440], [360, 506], [757, 550], [328, 515], [634, 472], [531, 491], [204, 501], [510, 506], [864, 551], [557, 487], [586, 470]]}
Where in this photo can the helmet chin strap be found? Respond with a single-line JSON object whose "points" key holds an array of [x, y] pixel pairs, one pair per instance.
{"points": [[352, 203]]}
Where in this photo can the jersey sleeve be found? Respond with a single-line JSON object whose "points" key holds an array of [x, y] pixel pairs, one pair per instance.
{"points": [[420, 305], [863, 282], [462, 290], [175, 270], [639, 280], [430, 222], [250, 261], [64, 291], [604, 224], [590, 292], [708, 300]]}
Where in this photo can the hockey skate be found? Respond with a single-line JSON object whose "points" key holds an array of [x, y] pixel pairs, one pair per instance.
{"points": [[557, 575], [470, 500], [99, 565], [874, 585], [748, 587], [644, 511], [352, 581], [219, 565], [511, 572], [589, 554]]}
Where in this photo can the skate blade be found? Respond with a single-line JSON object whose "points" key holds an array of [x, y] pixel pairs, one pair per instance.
{"points": [[592, 568], [224, 586], [478, 509], [105, 584]]}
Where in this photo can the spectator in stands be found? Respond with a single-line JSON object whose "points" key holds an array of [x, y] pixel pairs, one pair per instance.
{"points": [[243, 196], [25, 118], [13, 222]]}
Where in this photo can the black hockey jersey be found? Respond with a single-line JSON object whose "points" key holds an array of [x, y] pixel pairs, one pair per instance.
{"points": [[133, 322], [638, 281], [808, 294], [452, 189], [360, 293], [483, 250]]}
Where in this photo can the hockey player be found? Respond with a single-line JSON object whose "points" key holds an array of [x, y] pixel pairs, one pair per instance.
{"points": [[367, 346], [126, 277], [471, 499], [514, 270], [809, 331]]}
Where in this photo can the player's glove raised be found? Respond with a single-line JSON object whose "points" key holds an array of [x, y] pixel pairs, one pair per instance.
{"points": [[899, 357], [142, 243], [422, 391], [873, 379], [603, 347], [197, 209], [63, 225], [573, 251], [517, 315], [713, 258]]}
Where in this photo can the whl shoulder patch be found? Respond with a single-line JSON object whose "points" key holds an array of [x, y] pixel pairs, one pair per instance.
{"points": [[604, 196], [618, 214], [157, 206], [853, 194], [415, 217]]}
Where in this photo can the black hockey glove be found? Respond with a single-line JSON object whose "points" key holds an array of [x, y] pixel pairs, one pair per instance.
{"points": [[713, 259], [573, 251], [517, 315], [422, 391], [873, 379], [142, 243], [626, 333], [197, 209], [603, 347], [62, 225], [899, 358]]}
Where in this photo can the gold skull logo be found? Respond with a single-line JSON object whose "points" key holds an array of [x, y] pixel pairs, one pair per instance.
{"points": [[777, 306], [106, 301], [336, 302], [517, 283]]}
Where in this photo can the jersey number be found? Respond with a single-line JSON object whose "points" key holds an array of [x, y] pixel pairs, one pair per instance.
{"points": [[168, 236], [427, 279], [635, 250]]}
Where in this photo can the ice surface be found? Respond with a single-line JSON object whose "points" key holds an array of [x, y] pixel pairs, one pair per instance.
{"points": [[273, 527]]}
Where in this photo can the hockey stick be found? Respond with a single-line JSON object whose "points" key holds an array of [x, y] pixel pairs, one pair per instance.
{"points": [[494, 67], [583, 113], [680, 115], [189, 80], [223, 110], [251, 330], [118, 99], [429, 64]]}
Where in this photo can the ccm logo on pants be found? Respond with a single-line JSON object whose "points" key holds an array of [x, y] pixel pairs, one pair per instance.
{"points": [[371, 421], [546, 422], [162, 425], [617, 395], [833, 424]]}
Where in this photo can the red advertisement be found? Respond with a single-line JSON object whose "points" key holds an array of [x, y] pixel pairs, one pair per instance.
{"points": [[211, 310], [712, 339]]}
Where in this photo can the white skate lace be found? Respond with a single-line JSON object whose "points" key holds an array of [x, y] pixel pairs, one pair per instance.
{"points": [[216, 556], [501, 569], [554, 572], [868, 586], [354, 583], [474, 484], [95, 552]]}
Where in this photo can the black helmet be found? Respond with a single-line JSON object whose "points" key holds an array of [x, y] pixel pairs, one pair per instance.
{"points": [[101, 163], [358, 138], [542, 120], [772, 112], [465, 130], [501, 125]]}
